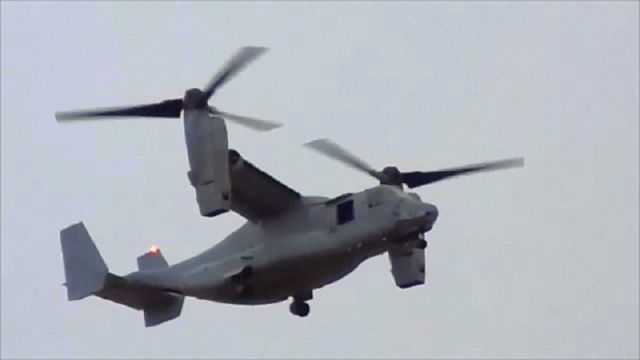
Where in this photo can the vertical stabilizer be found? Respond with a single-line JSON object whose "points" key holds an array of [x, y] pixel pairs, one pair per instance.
{"points": [[157, 315], [171, 307], [84, 268], [152, 260]]}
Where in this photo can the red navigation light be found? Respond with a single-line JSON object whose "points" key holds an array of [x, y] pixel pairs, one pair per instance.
{"points": [[154, 250]]}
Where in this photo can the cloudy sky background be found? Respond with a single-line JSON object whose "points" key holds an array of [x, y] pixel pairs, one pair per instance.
{"points": [[540, 261]]}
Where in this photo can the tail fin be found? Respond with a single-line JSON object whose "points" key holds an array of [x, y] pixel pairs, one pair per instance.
{"points": [[87, 274], [152, 260], [167, 310], [156, 315], [84, 268]]}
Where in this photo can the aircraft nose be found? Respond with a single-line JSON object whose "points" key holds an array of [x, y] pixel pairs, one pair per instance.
{"points": [[430, 213], [421, 210], [414, 216]]}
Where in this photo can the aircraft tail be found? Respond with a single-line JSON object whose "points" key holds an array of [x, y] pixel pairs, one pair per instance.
{"points": [[84, 268], [154, 315], [87, 274]]}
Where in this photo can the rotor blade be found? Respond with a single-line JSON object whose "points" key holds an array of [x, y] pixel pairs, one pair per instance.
{"points": [[419, 178], [238, 61], [334, 151], [164, 109], [253, 123]]}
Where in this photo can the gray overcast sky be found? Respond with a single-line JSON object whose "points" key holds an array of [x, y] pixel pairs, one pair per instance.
{"points": [[535, 262]]}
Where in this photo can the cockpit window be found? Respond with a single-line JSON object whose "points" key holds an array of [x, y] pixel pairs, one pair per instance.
{"points": [[344, 212]]}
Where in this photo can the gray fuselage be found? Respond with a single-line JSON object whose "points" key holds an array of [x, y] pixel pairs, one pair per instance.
{"points": [[312, 245]]}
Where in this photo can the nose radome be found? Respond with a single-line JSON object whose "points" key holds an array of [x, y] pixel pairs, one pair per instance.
{"points": [[431, 212]]}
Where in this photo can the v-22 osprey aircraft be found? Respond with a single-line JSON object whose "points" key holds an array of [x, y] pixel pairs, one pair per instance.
{"points": [[290, 245]]}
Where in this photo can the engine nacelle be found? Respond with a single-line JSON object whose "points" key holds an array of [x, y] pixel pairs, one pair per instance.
{"points": [[408, 261], [207, 149]]}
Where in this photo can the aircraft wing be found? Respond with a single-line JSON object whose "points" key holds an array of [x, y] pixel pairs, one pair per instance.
{"points": [[256, 195]]}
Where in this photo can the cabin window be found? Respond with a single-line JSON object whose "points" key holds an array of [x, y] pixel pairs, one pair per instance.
{"points": [[345, 212]]}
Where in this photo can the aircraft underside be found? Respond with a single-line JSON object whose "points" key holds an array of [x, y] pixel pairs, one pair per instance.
{"points": [[280, 280]]}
